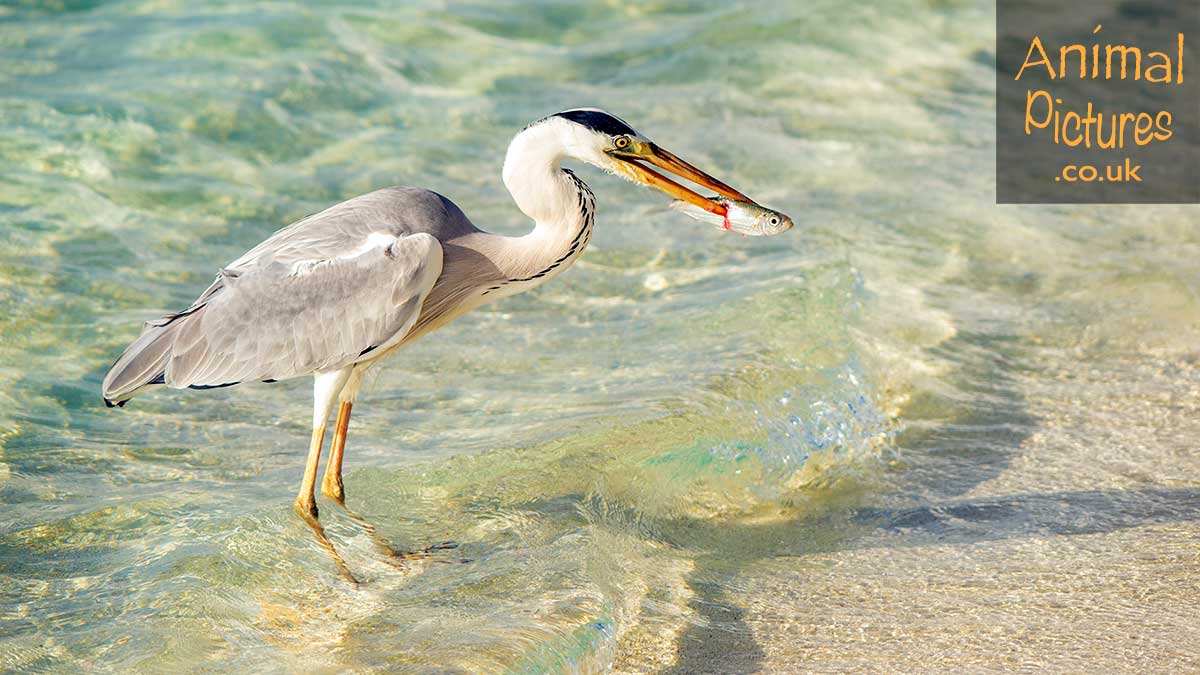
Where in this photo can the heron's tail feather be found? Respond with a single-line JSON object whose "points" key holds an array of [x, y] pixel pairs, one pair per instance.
{"points": [[142, 364]]}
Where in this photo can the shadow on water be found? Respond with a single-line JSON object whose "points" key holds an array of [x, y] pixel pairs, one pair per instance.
{"points": [[947, 449], [1055, 513], [952, 521], [723, 643], [950, 447]]}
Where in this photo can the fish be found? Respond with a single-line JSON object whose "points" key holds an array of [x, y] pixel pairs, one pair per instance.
{"points": [[745, 218]]}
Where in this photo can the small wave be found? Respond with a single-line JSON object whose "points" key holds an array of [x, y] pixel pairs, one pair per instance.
{"points": [[814, 433], [776, 446]]}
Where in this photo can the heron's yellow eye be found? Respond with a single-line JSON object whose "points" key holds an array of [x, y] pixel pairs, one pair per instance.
{"points": [[622, 142]]}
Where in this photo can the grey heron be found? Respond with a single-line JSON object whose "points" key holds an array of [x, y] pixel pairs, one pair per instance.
{"points": [[336, 292]]}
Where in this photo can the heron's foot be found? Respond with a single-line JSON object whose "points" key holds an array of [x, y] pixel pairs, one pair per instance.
{"points": [[307, 510], [365, 525], [332, 487], [394, 556]]}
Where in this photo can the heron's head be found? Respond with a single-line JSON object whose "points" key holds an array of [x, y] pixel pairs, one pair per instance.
{"points": [[605, 140]]}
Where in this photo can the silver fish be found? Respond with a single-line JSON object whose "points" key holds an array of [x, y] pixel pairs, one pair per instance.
{"points": [[745, 218]]}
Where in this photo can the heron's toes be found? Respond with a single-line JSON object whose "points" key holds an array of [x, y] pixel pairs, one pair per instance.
{"points": [[334, 490], [307, 510]]}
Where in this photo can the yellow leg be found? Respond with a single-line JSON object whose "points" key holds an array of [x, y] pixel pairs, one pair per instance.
{"points": [[332, 485], [306, 502]]}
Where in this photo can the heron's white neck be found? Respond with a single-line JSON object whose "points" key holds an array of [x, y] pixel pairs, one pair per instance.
{"points": [[560, 205]]}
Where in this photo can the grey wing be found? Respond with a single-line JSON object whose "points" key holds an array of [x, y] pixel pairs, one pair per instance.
{"points": [[396, 210], [274, 321], [182, 349]]}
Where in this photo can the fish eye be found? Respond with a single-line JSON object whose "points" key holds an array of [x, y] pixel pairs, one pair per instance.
{"points": [[622, 142], [774, 220]]}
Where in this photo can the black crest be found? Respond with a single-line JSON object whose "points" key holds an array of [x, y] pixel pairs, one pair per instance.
{"points": [[598, 120]]}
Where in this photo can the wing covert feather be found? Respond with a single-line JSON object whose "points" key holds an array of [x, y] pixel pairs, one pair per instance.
{"points": [[272, 320]]}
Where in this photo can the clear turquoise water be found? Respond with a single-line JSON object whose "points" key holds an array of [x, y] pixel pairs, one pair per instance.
{"points": [[919, 432]]}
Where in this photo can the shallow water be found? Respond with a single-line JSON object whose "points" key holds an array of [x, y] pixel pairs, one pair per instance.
{"points": [[918, 433]]}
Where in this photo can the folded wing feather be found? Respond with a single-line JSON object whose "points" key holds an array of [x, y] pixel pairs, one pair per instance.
{"points": [[274, 320]]}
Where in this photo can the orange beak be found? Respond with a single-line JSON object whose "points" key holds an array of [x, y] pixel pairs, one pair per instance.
{"points": [[631, 164]]}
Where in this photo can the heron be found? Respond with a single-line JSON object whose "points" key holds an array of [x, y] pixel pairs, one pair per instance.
{"points": [[338, 291]]}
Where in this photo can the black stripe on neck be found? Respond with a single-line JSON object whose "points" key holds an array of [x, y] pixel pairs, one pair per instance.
{"points": [[586, 200]]}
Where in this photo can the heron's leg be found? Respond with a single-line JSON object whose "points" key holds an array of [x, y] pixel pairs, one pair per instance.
{"points": [[332, 485], [306, 503], [325, 389]]}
